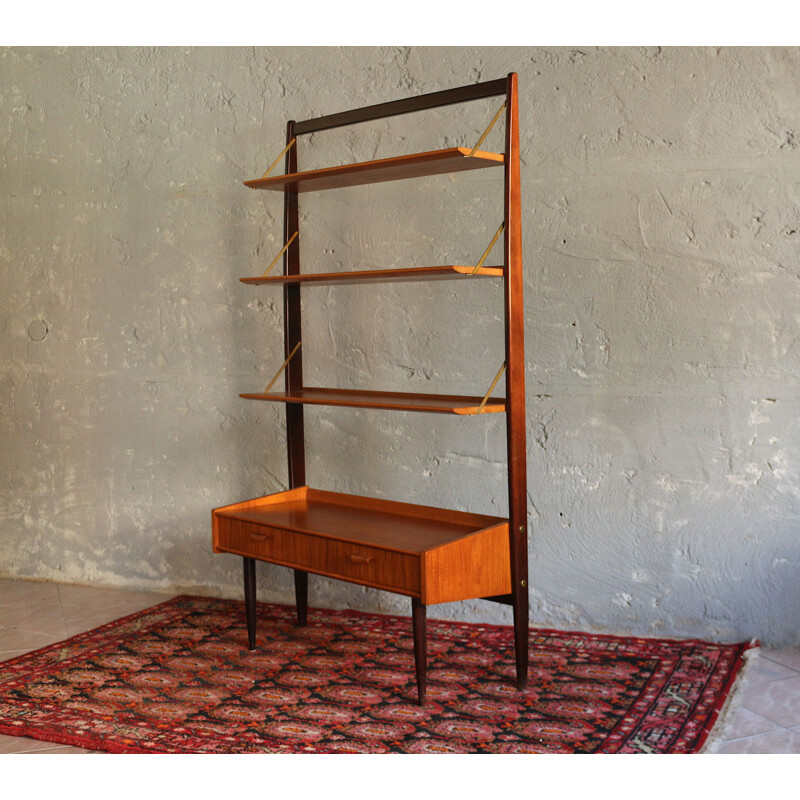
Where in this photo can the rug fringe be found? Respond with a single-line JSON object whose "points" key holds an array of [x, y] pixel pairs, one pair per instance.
{"points": [[728, 711]]}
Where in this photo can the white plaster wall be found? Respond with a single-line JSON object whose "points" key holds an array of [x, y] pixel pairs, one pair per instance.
{"points": [[661, 194]]}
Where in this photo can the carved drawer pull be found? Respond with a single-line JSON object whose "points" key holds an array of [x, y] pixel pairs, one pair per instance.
{"points": [[260, 537], [357, 559]]}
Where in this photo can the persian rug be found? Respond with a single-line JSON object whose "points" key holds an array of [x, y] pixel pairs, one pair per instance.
{"points": [[178, 678]]}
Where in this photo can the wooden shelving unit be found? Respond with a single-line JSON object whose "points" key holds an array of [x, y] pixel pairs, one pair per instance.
{"points": [[431, 555]]}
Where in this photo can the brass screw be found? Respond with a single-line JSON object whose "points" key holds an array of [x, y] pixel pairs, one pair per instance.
{"points": [[524, 583]]}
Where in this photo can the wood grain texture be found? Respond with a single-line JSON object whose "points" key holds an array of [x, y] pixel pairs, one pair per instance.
{"points": [[289, 496], [293, 327], [416, 165], [323, 555], [379, 275], [473, 566], [405, 527], [398, 401], [406, 105], [419, 551], [515, 386]]}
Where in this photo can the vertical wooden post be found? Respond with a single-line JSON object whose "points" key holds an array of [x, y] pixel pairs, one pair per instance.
{"points": [[515, 387], [292, 334], [292, 328]]}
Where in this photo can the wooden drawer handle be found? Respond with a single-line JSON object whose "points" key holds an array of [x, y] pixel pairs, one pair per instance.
{"points": [[357, 559], [260, 537]]}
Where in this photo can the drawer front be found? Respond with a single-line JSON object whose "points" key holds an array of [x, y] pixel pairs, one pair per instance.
{"points": [[256, 541], [371, 566]]}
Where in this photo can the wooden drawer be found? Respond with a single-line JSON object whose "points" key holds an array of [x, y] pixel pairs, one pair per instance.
{"points": [[256, 541], [364, 564], [371, 566]]}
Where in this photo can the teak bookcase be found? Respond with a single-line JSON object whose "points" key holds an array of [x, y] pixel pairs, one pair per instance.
{"points": [[431, 555]]}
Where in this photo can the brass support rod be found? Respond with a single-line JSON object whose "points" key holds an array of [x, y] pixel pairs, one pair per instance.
{"points": [[283, 250], [486, 132], [489, 248], [491, 388], [283, 367], [274, 163]]}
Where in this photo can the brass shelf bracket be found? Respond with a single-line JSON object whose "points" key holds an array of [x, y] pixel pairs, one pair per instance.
{"points": [[491, 389], [283, 250], [275, 162], [489, 248], [283, 367], [486, 132]]}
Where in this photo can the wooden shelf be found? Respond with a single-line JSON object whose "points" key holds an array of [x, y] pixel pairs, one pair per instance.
{"points": [[398, 401], [380, 275], [431, 553], [418, 165], [406, 274]]}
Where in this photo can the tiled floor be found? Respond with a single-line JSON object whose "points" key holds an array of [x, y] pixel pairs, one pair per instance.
{"points": [[34, 614]]}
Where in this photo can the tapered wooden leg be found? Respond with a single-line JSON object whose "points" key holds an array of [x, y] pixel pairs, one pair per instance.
{"points": [[419, 618], [521, 637], [250, 600], [301, 596]]}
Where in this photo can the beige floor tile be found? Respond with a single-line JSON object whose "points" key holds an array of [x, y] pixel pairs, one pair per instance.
{"points": [[13, 640], [19, 591], [40, 616], [766, 669], [777, 700], [780, 742], [60, 750], [748, 723], [786, 658], [85, 607], [22, 744]]}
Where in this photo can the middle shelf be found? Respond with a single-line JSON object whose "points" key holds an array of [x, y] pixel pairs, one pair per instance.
{"points": [[398, 401]]}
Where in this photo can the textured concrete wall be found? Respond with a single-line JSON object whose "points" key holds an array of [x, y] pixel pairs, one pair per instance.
{"points": [[662, 272]]}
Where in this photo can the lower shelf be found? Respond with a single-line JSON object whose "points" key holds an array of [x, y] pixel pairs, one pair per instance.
{"points": [[380, 275], [433, 554], [398, 401]]}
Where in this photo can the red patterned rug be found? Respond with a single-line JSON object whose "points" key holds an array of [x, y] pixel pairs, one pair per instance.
{"points": [[178, 678]]}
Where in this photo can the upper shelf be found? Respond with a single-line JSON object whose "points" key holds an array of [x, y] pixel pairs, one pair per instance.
{"points": [[417, 165], [381, 275]]}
